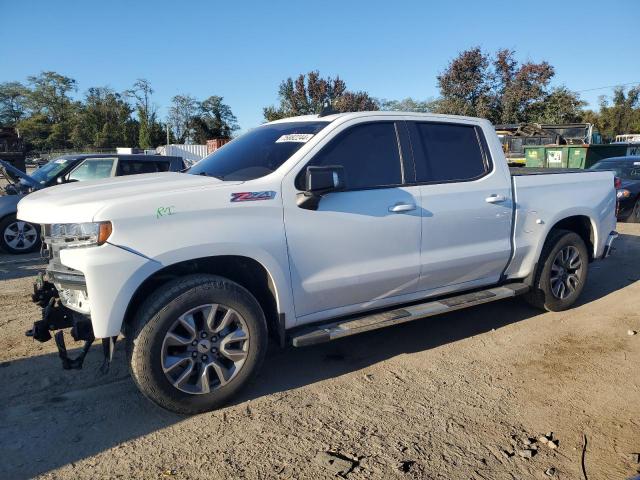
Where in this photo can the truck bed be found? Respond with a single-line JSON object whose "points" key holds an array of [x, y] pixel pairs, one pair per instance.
{"points": [[542, 198]]}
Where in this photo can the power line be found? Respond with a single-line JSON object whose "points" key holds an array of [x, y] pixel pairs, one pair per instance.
{"points": [[608, 86]]}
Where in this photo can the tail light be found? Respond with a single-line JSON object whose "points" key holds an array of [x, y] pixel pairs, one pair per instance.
{"points": [[617, 182]]}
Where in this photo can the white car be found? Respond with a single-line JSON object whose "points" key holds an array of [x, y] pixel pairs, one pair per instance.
{"points": [[308, 229]]}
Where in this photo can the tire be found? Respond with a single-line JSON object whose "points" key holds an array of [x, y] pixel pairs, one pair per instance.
{"points": [[17, 236], [164, 317], [634, 217], [543, 294]]}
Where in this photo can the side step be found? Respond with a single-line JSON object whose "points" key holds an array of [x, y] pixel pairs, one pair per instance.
{"points": [[327, 332]]}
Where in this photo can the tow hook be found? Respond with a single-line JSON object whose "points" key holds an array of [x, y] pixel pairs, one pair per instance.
{"points": [[43, 291]]}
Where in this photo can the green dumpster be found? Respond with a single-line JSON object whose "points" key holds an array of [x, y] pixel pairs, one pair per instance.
{"points": [[577, 156], [556, 157], [571, 156], [534, 156]]}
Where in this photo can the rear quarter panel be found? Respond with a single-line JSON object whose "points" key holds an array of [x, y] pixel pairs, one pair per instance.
{"points": [[541, 201]]}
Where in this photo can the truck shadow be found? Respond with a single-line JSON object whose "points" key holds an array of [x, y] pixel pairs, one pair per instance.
{"points": [[51, 418]]}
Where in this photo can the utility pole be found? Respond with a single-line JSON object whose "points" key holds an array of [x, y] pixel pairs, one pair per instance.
{"points": [[167, 133]]}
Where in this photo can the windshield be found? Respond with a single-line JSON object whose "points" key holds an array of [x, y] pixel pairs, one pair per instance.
{"points": [[257, 153], [49, 170], [625, 169]]}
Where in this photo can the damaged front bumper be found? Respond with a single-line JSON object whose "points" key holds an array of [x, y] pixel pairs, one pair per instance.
{"points": [[57, 316]]}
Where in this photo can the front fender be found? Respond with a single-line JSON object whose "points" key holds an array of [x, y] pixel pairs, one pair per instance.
{"points": [[279, 276]]}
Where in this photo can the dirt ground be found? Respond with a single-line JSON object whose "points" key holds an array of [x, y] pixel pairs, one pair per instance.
{"points": [[460, 396]]}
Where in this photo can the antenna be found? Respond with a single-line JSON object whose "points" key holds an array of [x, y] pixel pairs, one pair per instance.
{"points": [[327, 109]]}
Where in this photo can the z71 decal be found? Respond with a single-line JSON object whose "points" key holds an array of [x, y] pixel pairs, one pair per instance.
{"points": [[252, 196]]}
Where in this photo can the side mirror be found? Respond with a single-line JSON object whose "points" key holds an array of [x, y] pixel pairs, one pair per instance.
{"points": [[318, 182]]}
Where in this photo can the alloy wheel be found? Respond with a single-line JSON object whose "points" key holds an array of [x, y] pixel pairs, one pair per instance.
{"points": [[20, 235], [566, 272], [205, 348]]}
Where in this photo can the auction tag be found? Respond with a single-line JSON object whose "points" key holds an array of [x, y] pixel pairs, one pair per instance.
{"points": [[636, 163], [295, 137], [61, 160]]}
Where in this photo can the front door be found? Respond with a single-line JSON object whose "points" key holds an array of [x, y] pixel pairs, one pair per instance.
{"points": [[361, 247]]}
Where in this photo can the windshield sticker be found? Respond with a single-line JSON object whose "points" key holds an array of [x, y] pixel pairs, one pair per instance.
{"points": [[164, 211], [295, 137], [636, 163], [60, 160], [252, 196]]}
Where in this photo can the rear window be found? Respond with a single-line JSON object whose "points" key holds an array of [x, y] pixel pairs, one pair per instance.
{"points": [[447, 152], [134, 167]]}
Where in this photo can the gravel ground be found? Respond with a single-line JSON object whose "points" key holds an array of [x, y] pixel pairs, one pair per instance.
{"points": [[466, 395]]}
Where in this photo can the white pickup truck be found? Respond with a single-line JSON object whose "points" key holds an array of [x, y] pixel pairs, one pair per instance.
{"points": [[307, 229]]}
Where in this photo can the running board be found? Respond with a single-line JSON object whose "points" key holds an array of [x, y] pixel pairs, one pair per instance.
{"points": [[332, 331]]}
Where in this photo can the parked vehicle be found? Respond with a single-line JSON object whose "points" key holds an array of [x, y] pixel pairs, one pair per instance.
{"points": [[627, 169], [309, 229], [17, 236]]}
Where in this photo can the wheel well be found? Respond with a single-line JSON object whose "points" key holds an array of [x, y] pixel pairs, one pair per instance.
{"points": [[580, 224], [244, 271]]}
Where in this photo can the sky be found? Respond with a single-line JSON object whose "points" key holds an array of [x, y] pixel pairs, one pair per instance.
{"points": [[242, 50]]}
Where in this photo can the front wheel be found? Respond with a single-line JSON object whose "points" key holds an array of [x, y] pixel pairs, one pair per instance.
{"points": [[17, 236], [561, 273], [196, 342]]}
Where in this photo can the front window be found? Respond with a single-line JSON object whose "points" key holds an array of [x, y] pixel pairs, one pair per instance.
{"points": [[50, 170], [627, 170], [92, 169], [258, 152]]}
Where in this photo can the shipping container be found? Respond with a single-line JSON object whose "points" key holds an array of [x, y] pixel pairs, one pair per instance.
{"points": [[189, 153]]}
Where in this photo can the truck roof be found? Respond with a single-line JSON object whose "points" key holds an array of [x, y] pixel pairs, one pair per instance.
{"points": [[139, 157], [374, 113]]}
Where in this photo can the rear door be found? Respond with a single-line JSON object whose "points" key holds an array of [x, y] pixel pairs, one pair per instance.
{"points": [[466, 206], [361, 247]]}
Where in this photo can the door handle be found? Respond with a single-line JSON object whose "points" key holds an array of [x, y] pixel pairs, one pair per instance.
{"points": [[495, 198], [402, 207]]}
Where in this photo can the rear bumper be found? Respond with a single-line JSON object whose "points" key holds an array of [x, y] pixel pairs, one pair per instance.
{"points": [[608, 246]]}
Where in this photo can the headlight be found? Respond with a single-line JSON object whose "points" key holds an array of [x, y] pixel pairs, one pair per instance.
{"points": [[80, 234], [623, 193]]}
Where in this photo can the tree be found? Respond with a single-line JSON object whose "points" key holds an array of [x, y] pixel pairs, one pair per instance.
{"points": [[561, 105], [309, 92], [52, 111], [407, 105], [214, 120], [181, 116], [621, 114], [502, 90], [104, 121], [13, 102], [141, 93], [519, 89], [466, 87]]}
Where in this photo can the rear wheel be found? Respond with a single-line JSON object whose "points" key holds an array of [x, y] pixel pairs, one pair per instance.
{"points": [[561, 273], [196, 342], [17, 236]]}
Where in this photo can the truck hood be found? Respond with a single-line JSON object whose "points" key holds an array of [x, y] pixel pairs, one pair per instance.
{"points": [[81, 201], [14, 175]]}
